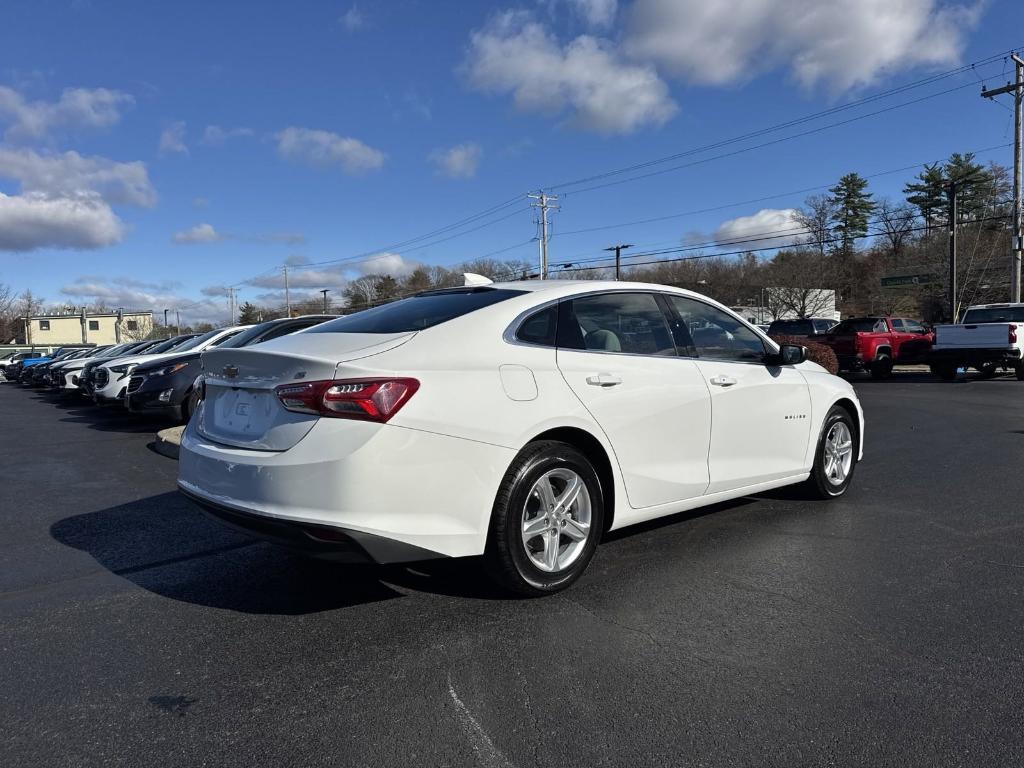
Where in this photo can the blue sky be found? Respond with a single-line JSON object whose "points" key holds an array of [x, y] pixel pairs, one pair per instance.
{"points": [[152, 153]]}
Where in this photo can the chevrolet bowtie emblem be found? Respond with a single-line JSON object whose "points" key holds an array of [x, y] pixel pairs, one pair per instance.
{"points": [[230, 372]]}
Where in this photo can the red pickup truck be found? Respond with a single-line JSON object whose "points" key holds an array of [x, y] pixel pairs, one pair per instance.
{"points": [[875, 344]]}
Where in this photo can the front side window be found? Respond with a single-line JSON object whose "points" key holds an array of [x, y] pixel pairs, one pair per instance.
{"points": [[822, 326], [897, 324], [912, 326], [716, 334], [629, 323]]}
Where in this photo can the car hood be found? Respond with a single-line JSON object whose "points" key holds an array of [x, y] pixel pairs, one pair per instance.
{"points": [[170, 357]]}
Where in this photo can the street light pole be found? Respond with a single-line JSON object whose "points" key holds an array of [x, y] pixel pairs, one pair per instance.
{"points": [[325, 292]]}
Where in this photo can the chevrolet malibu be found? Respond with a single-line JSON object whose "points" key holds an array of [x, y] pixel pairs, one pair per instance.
{"points": [[518, 421]]}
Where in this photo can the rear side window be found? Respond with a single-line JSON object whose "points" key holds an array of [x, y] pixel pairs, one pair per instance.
{"points": [[539, 328], [418, 312], [630, 323]]}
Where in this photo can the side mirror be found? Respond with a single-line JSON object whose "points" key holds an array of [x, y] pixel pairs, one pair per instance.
{"points": [[788, 354]]}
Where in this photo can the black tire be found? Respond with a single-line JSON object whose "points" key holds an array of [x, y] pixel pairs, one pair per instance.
{"points": [[988, 370], [945, 371], [188, 406], [819, 485], [881, 368], [506, 558]]}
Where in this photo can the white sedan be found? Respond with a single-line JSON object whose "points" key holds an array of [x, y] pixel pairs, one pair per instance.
{"points": [[519, 421]]}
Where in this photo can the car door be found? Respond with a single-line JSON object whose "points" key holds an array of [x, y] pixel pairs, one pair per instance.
{"points": [[760, 415], [616, 353]]}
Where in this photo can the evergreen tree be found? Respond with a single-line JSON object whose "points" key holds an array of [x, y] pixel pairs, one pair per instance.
{"points": [[248, 314], [853, 207], [927, 194]]}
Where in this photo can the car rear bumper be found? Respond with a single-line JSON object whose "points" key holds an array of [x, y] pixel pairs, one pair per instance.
{"points": [[416, 489], [975, 356]]}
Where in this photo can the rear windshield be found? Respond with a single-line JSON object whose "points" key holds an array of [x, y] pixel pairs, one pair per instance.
{"points": [[858, 325], [271, 330], [797, 327], [995, 315], [417, 312]]}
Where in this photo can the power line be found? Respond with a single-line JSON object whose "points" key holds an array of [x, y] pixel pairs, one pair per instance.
{"points": [[793, 122]]}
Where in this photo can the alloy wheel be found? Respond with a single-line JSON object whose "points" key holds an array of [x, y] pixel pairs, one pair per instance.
{"points": [[838, 453], [556, 520]]}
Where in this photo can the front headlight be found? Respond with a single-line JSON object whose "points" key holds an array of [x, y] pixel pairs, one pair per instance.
{"points": [[169, 369], [121, 368]]}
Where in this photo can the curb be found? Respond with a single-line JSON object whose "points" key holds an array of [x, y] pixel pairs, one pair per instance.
{"points": [[167, 442]]}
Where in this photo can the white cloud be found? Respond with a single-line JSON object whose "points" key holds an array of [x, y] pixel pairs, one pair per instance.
{"points": [[352, 19], [393, 264], [71, 174], [597, 13], [76, 108], [331, 276], [137, 294], [458, 162], [768, 228], [215, 135], [172, 139], [33, 220], [837, 43], [587, 77], [200, 202], [323, 149], [207, 233], [200, 233]]}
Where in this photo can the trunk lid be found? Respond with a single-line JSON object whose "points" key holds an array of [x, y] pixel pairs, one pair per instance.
{"points": [[241, 409]]}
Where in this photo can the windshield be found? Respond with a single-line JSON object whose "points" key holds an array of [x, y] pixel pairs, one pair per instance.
{"points": [[856, 325], [417, 312], [994, 315], [196, 341], [169, 344]]}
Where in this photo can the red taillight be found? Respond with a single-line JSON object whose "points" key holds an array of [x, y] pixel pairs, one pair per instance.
{"points": [[1013, 333], [363, 399]]}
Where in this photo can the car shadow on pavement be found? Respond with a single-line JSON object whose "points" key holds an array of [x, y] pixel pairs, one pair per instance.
{"points": [[167, 546], [103, 418]]}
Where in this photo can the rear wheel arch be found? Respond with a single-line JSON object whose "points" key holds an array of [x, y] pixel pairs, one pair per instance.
{"points": [[596, 454]]}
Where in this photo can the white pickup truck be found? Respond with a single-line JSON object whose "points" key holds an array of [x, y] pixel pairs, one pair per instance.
{"points": [[990, 337]]}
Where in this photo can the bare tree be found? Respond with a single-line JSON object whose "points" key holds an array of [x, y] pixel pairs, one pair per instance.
{"points": [[799, 283], [898, 221], [816, 218]]}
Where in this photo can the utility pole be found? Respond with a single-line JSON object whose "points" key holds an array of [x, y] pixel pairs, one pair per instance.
{"points": [[544, 204], [287, 295], [166, 329], [1017, 89], [177, 323], [231, 306], [325, 291], [951, 193], [618, 257]]}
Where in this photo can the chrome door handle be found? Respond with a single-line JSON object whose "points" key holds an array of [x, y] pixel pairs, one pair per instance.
{"points": [[603, 380], [723, 381]]}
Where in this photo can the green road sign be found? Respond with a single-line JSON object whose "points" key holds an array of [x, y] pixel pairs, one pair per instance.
{"points": [[899, 281]]}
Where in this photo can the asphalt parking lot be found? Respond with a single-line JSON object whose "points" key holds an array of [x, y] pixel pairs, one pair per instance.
{"points": [[881, 629]]}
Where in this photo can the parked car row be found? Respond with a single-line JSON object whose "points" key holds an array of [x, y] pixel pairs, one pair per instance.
{"points": [[153, 377], [990, 338]]}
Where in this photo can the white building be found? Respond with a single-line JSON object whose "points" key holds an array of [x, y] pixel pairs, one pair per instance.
{"points": [[86, 328]]}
